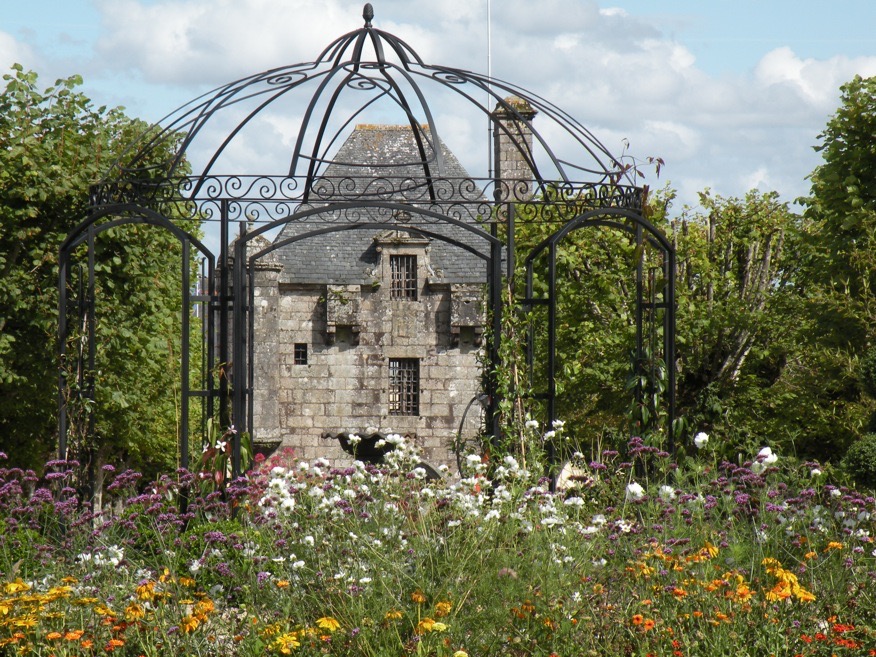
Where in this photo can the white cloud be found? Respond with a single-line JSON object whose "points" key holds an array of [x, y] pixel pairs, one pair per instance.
{"points": [[13, 51], [815, 81], [614, 72]]}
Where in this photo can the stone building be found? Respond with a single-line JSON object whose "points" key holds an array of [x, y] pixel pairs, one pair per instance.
{"points": [[372, 329]]}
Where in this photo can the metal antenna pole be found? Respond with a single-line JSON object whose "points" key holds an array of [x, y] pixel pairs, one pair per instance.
{"points": [[489, 87]]}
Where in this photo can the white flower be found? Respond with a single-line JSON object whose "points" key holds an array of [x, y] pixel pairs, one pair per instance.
{"points": [[353, 439], [308, 540], [549, 435], [667, 493], [598, 520], [815, 473], [531, 424], [634, 492], [220, 445], [419, 473], [298, 564], [558, 424], [701, 440], [766, 456], [492, 514], [574, 501], [195, 566]]}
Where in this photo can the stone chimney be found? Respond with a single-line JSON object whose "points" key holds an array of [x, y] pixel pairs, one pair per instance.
{"points": [[513, 148]]}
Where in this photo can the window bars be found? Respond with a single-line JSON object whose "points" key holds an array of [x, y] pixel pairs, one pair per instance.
{"points": [[404, 386], [404, 277]]}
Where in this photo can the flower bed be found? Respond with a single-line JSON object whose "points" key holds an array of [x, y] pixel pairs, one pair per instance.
{"points": [[701, 558]]}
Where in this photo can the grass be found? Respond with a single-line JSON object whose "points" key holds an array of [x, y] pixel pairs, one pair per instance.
{"points": [[644, 555]]}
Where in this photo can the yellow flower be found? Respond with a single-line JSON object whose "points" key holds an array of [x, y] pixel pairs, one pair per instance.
{"points": [[710, 550], [393, 614], [17, 587], [328, 623], [443, 608], [460, 653], [24, 621], [834, 545], [424, 626], [189, 624], [438, 626], [285, 643], [418, 597], [146, 591], [204, 607], [134, 612]]}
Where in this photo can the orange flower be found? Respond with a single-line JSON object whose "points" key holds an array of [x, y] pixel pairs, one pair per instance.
{"points": [[73, 635], [638, 619], [648, 624], [393, 614], [282, 584], [418, 597], [443, 608], [113, 644], [54, 636]]}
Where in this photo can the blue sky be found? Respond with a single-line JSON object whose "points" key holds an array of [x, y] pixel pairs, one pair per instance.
{"points": [[730, 93]]}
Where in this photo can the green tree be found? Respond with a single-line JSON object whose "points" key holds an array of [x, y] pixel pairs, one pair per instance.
{"points": [[838, 268], [53, 145]]}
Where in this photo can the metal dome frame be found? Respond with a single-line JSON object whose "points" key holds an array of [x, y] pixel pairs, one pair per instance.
{"points": [[371, 66]]}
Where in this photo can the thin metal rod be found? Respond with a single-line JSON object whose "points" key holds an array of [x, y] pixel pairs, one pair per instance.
{"points": [[185, 392], [224, 301]]}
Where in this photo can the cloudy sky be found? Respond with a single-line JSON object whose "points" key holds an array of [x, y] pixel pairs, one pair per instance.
{"points": [[730, 93]]}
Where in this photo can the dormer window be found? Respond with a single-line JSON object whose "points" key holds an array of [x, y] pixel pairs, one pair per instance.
{"points": [[404, 277]]}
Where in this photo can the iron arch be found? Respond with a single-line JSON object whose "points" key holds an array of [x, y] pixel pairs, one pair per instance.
{"points": [[642, 231], [100, 221]]}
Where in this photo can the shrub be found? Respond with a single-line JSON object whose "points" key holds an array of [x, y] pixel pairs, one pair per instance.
{"points": [[860, 461], [868, 372]]}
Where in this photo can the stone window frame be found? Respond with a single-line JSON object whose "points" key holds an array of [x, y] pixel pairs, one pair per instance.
{"points": [[300, 353], [403, 276], [404, 386]]}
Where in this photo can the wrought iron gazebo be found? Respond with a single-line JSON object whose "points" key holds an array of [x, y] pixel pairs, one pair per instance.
{"points": [[571, 180]]}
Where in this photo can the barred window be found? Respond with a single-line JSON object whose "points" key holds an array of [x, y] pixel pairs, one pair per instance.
{"points": [[404, 386], [300, 353], [404, 277]]}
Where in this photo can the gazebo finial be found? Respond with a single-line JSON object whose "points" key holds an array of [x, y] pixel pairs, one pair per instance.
{"points": [[368, 14]]}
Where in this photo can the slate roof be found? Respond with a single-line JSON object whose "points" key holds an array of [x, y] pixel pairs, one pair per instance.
{"points": [[379, 162]]}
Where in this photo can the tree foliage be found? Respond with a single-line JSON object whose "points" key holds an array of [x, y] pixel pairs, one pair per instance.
{"points": [[53, 144]]}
